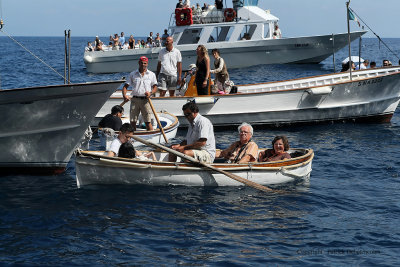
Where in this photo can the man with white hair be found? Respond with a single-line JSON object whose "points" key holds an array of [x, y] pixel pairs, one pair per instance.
{"points": [[242, 151]]}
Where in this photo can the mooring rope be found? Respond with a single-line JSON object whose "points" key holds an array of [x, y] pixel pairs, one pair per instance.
{"points": [[379, 38], [21, 45]]}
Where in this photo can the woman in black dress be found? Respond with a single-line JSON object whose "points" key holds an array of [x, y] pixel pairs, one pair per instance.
{"points": [[203, 70]]}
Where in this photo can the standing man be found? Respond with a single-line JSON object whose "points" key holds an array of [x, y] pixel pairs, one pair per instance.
{"points": [[144, 84], [122, 39], [169, 68], [200, 140], [164, 37]]}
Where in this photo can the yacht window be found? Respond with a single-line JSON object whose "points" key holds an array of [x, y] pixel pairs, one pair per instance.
{"points": [[266, 30], [240, 3], [247, 32], [190, 36], [220, 34]]}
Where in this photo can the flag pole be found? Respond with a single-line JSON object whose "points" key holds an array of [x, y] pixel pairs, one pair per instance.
{"points": [[349, 40]]}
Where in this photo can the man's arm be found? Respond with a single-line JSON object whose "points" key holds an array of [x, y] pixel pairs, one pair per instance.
{"points": [[158, 68], [124, 90]]}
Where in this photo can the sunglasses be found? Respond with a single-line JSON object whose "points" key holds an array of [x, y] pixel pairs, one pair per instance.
{"points": [[187, 114]]}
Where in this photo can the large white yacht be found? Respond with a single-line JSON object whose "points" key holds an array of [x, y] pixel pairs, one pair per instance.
{"points": [[244, 34]]}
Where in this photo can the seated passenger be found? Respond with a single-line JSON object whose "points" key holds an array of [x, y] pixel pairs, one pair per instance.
{"points": [[125, 46], [280, 145], [242, 151], [126, 150], [124, 136], [89, 47], [113, 120]]}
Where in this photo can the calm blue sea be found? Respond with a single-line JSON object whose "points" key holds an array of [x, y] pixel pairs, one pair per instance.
{"points": [[348, 215]]}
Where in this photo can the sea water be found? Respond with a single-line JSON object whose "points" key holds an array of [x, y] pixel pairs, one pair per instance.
{"points": [[347, 215]]}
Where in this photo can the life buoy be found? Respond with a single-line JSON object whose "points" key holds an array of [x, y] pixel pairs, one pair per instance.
{"points": [[229, 14], [183, 16]]}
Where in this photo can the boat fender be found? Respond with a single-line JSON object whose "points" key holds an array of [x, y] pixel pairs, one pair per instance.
{"points": [[88, 59], [229, 14], [320, 90], [204, 100]]}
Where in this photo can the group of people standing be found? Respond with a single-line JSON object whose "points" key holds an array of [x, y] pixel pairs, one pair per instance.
{"points": [[119, 42], [145, 83]]}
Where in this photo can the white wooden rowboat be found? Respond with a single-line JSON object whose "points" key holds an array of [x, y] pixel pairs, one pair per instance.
{"points": [[169, 122], [372, 95], [95, 168]]}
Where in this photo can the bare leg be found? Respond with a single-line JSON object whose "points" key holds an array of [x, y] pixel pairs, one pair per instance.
{"points": [[133, 123], [149, 126]]}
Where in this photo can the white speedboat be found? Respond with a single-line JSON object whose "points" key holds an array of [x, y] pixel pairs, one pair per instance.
{"points": [[42, 126], [371, 95], [168, 121], [243, 34], [95, 168]]}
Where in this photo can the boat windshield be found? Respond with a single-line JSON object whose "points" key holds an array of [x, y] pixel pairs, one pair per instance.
{"points": [[241, 3]]}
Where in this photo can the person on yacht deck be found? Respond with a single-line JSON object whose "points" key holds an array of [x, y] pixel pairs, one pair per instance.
{"points": [[220, 71], [242, 151], [278, 32], [122, 39], [179, 4], [186, 4], [164, 37], [89, 47], [203, 70], [169, 68], [219, 4]]}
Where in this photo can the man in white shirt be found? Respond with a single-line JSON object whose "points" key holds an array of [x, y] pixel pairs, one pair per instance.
{"points": [[363, 65], [200, 140], [125, 132], [144, 84], [169, 68]]}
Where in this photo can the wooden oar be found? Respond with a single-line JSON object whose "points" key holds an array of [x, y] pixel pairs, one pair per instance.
{"points": [[158, 121], [196, 162]]}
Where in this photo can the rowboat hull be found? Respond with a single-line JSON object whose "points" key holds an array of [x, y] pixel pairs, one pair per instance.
{"points": [[92, 168], [372, 95], [42, 126]]}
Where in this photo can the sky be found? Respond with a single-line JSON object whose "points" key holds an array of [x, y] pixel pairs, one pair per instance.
{"points": [[105, 17]]}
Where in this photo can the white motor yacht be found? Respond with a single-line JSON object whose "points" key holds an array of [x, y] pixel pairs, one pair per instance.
{"points": [[244, 34]]}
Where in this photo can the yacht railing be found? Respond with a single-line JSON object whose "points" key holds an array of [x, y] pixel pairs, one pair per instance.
{"points": [[316, 81]]}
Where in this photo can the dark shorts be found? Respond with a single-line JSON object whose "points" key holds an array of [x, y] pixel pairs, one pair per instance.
{"points": [[166, 82]]}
